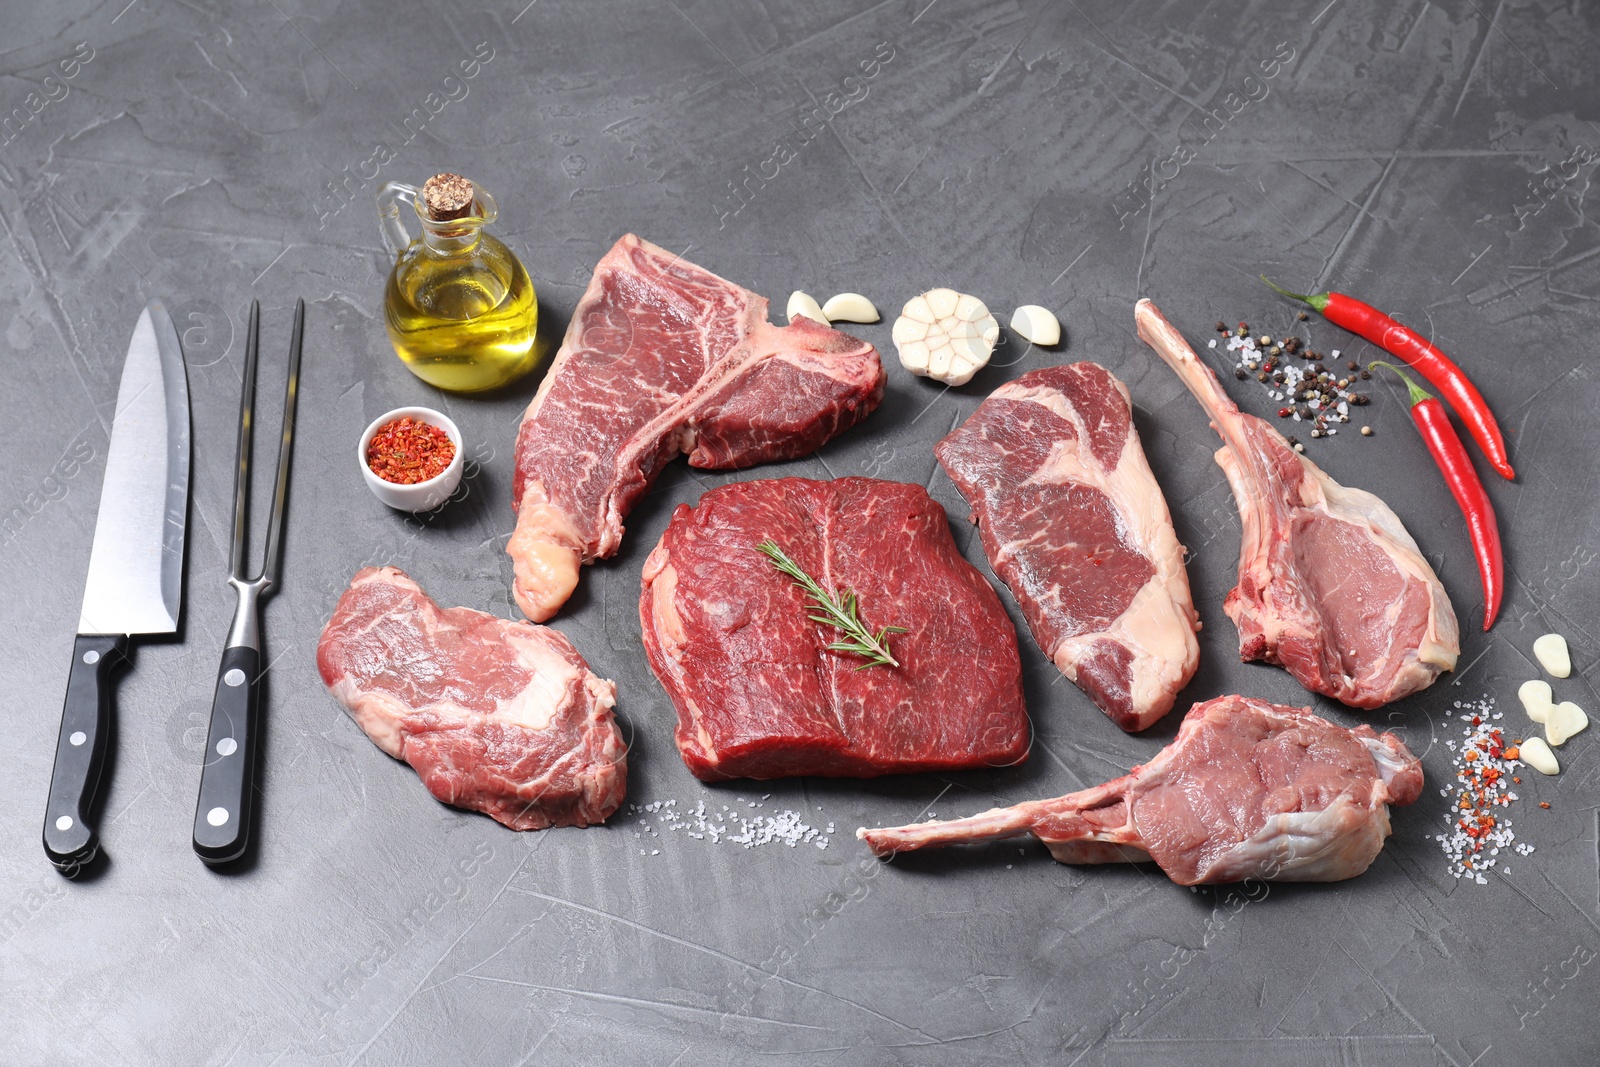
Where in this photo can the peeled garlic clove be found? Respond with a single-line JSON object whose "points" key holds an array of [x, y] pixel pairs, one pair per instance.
{"points": [[1551, 652], [849, 307], [1566, 719], [1537, 700], [1536, 754], [945, 335], [1034, 323], [803, 304]]}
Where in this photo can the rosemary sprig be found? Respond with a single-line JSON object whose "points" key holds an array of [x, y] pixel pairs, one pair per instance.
{"points": [[839, 611]]}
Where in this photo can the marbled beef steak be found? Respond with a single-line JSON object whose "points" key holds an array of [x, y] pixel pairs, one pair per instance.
{"points": [[1246, 790], [757, 692], [1331, 585], [663, 357], [501, 717], [1074, 522]]}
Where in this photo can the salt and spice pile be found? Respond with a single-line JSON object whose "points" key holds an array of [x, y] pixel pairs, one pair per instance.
{"points": [[1485, 772], [1317, 391], [781, 827]]}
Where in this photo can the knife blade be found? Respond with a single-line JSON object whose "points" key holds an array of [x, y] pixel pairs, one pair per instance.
{"points": [[135, 582]]}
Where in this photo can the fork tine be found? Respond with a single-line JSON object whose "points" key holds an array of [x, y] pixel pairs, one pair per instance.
{"points": [[241, 474], [280, 491]]}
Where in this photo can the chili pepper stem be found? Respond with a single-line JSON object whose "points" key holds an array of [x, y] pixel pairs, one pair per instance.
{"points": [[1418, 393], [1317, 301]]}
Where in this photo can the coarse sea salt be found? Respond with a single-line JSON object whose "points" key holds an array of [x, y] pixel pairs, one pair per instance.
{"points": [[1479, 825], [1249, 358], [780, 827]]}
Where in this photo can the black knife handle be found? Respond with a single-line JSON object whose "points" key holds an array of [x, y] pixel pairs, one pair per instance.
{"points": [[222, 814], [69, 835]]}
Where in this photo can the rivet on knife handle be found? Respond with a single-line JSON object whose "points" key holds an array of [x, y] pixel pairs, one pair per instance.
{"points": [[86, 721], [222, 814]]}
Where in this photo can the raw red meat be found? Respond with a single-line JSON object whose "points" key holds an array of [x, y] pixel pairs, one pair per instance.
{"points": [[1246, 790], [1074, 522], [1331, 586], [501, 717], [759, 696], [663, 357]]}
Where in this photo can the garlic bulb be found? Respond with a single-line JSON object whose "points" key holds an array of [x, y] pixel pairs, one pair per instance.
{"points": [[945, 335]]}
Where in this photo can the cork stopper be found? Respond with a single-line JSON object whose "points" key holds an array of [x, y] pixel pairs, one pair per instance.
{"points": [[447, 196]]}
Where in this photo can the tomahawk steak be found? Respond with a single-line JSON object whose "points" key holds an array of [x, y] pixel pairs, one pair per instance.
{"points": [[758, 693], [501, 717], [663, 357], [1331, 586], [1074, 522], [1246, 790]]}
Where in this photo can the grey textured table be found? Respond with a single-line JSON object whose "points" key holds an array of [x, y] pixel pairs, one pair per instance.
{"points": [[1435, 156]]}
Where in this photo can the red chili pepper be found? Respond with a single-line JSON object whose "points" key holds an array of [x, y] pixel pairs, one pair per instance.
{"points": [[1398, 340], [1451, 456]]}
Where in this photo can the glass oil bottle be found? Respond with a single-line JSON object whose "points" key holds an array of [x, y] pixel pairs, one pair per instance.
{"points": [[459, 306]]}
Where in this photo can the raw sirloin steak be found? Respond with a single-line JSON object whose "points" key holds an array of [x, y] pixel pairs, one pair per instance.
{"points": [[663, 357], [501, 717], [757, 692], [1074, 522]]}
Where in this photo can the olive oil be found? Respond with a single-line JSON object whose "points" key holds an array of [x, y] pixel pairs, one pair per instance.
{"points": [[460, 309], [464, 330]]}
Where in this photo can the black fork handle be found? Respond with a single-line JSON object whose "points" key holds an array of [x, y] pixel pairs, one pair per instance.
{"points": [[222, 812]]}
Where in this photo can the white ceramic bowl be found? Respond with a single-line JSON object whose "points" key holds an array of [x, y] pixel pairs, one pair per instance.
{"points": [[422, 496]]}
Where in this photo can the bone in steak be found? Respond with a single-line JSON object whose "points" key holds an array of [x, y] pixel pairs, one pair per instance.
{"points": [[1331, 586], [501, 717], [663, 357], [757, 692], [1074, 522], [1246, 790]]}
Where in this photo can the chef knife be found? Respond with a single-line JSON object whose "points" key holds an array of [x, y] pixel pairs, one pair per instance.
{"points": [[135, 581]]}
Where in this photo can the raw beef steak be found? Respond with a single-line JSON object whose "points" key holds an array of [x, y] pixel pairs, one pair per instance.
{"points": [[1331, 586], [1246, 790], [663, 357], [757, 692], [1074, 522], [501, 717]]}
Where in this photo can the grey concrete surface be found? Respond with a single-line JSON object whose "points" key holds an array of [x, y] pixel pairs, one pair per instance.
{"points": [[1434, 156]]}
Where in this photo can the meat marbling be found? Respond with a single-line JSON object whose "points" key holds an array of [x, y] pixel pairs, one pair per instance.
{"points": [[1073, 521], [497, 716], [1246, 790], [758, 694], [663, 357], [1331, 586]]}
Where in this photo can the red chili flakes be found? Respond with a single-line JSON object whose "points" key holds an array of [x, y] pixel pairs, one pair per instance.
{"points": [[407, 451]]}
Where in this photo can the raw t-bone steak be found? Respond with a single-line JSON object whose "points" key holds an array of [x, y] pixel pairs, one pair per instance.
{"points": [[664, 357], [1331, 586], [1074, 522], [501, 717], [758, 693], [1246, 790]]}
